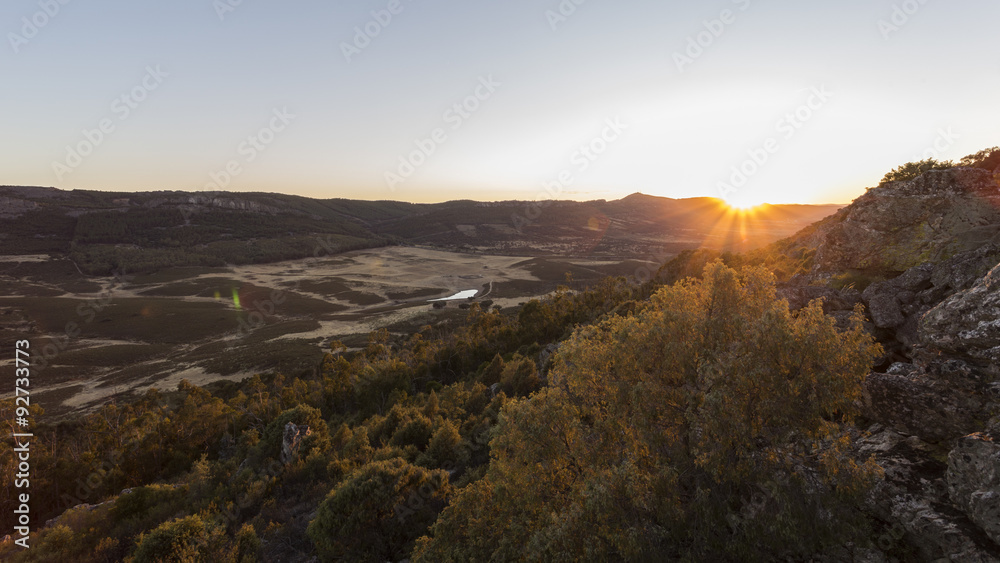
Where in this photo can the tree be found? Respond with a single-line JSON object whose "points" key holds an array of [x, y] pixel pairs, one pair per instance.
{"points": [[988, 159], [710, 426], [378, 511], [911, 170], [183, 540]]}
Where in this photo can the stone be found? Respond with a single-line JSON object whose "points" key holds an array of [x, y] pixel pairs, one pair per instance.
{"points": [[899, 225], [884, 309], [967, 324], [917, 403], [291, 440], [974, 481], [912, 500]]}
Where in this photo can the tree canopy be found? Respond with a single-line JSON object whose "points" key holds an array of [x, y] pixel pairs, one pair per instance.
{"points": [[709, 426]]}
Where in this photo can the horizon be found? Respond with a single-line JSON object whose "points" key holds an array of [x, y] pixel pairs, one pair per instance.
{"points": [[237, 193], [393, 100]]}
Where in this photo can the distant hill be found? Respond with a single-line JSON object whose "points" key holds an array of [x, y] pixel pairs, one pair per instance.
{"points": [[145, 231]]}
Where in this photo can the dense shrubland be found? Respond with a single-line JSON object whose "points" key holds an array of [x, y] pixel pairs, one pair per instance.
{"points": [[694, 418], [987, 159], [650, 430]]}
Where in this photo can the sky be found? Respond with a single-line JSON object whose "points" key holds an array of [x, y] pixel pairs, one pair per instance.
{"points": [[777, 101]]}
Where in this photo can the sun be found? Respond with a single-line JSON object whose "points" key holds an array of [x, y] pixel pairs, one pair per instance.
{"points": [[743, 204]]}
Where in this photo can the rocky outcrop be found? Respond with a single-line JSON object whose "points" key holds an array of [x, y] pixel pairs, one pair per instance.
{"points": [[913, 500], [967, 324], [895, 227], [230, 203], [291, 440], [974, 481], [938, 402], [932, 245], [11, 208], [898, 305]]}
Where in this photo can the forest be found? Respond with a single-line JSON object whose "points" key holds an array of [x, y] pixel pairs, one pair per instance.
{"points": [[695, 420], [694, 417]]}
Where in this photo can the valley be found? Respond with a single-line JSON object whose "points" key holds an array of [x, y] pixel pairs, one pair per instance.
{"points": [[104, 337]]}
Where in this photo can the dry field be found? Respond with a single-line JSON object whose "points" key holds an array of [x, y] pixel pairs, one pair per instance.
{"points": [[96, 338]]}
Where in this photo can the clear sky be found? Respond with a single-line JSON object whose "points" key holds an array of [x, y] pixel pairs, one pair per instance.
{"points": [[665, 97]]}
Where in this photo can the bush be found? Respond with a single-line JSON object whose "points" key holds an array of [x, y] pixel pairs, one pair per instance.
{"points": [[183, 540], [911, 170], [378, 512], [708, 427]]}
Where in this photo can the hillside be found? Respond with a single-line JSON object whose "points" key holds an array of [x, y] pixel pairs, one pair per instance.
{"points": [[830, 397], [921, 254], [142, 232]]}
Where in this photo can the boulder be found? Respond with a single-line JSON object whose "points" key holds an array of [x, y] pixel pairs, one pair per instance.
{"points": [[967, 324], [936, 406], [899, 225], [974, 481], [291, 440], [912, 501]]}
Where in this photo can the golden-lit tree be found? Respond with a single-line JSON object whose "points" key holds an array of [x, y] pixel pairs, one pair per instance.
{"points": [[709, 426]]}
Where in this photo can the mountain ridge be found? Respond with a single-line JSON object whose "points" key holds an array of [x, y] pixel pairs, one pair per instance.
{"points": [[141, 231]]}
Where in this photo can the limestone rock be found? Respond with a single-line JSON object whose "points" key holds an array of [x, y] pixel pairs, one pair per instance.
{"points": [[933, 406], [291, 440], [903, 224], [974, 481], [967, 324], [913, 502]]}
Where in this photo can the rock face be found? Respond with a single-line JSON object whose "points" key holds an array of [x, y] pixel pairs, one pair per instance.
{"points": [[291, 440], [974, 481], [913, 501], [898, 305], [933, 246], [967, 324], [938, 402], [895, 227]]}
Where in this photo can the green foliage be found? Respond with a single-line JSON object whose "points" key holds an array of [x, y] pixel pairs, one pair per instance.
{"points": [[988, 159], [185, 540], [658, 430], [137, 503], [378, 511], [858, 280], [270, 442], [520, 377], [911, 170]]}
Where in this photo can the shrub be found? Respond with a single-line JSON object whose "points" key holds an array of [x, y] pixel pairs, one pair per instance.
{"points": [[708, 427], [183, 540], [911, 170], [377, 512]]}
